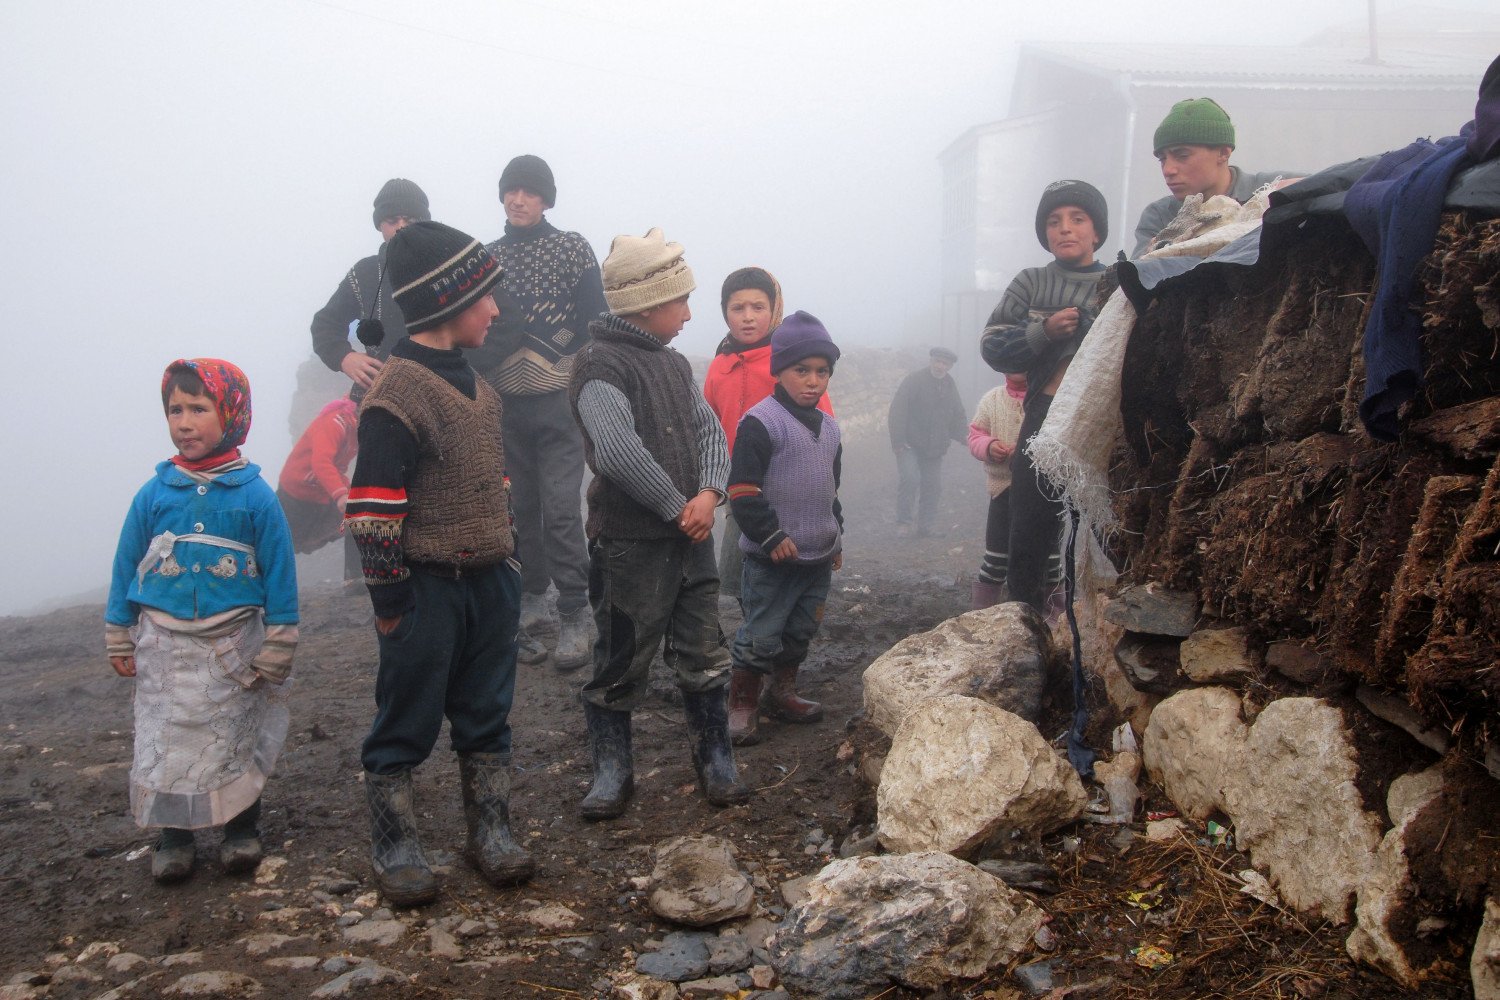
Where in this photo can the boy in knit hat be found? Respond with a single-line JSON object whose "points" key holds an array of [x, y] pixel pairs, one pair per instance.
{"points": [[784, 481], [1193, 144], [659, 462], [1035, 330], [429, 508]]}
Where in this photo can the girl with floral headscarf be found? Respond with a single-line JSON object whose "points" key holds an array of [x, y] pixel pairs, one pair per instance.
{"points": [[202, 614]]}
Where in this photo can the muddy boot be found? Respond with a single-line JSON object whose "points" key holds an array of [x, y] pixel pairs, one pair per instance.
{"points": [[401, 870], [491, 848], [744, 707], [614, 773], [172, 857], [575, 639], [713, 756], [782, 701], [534, 611], [241, 850], [984, 594], [529, 649]]}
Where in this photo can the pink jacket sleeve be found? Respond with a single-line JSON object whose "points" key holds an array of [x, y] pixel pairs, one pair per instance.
{"points": [[979, 442]]}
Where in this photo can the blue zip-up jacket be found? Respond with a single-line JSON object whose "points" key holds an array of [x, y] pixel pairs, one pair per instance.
{"points": [[202, 579]]}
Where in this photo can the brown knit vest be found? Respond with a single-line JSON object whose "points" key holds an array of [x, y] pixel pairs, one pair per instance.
{"points": [[459, 513], [659, 385]]}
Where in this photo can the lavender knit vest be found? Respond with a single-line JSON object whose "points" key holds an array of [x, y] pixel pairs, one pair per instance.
{"points": [[799, 481]]}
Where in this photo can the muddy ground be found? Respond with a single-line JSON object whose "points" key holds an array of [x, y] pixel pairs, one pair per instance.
{"points": [[74, 871]]}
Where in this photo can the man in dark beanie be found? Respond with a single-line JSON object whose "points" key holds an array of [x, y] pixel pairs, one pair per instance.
{"points": [[430, 510], [551, 291], [1193, 144], [926, 415]]}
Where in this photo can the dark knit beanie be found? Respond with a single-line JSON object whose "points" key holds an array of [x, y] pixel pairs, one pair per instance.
{"points": [[533, 174], [800, 336], [436, 272], [1079, 193], [1197, 121], [943, 354], [400, 196], [747, 279]]}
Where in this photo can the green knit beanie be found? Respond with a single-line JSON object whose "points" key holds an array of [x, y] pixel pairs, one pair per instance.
{"points": [[1197, 121]]}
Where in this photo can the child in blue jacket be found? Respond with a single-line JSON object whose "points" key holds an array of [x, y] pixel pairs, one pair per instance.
{"points": [[202, 613]]}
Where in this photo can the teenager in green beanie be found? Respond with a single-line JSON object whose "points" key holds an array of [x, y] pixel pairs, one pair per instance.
{"points": [[1193, 144]]}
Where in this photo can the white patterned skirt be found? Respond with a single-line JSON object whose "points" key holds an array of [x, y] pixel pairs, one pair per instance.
{"points": [[208, 729]]}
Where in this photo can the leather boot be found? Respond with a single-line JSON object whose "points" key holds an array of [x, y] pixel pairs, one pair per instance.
{"points": [[614, 772], [401, 870], [782, 701], [241, 850], [575, 639], [984, 594], [529, 649], [713, 756], [491, 848], [172, 857], [744, 707]]}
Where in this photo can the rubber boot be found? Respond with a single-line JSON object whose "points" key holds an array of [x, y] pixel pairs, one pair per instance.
{"points": [[241, 849], [173, 856], [744, 707], [401, 870], [614, 772], [984, 594], [575, 639], [713, 756], [491, 848], [529, 649], [782, 701]]}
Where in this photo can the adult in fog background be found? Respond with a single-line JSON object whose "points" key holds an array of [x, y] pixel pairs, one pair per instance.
{"points": [[362, 295], [548, 295], [1193, 145], [925, 417]]}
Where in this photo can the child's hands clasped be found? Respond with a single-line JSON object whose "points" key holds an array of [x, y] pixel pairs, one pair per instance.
{"points": [[124, 665], [697, 517]]}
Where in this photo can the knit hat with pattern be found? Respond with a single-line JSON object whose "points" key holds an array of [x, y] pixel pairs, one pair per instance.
{"points": [[1080, 193], [1197, 121], [800, 336], [644, 271], [533, 174], [399, 196], [436, 272]]}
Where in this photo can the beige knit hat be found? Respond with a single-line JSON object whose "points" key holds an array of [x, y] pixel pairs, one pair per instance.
{"points": [[644, 271]]}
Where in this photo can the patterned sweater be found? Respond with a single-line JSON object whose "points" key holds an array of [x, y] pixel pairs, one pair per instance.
{"points": [[550, 293], [1014, 339]]}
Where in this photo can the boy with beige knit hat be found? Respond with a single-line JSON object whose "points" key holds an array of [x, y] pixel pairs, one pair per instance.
{"points": [[660, 466]]}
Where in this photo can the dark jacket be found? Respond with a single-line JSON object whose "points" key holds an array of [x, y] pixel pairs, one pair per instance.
{"points": [[352, 301], [926, 414]]}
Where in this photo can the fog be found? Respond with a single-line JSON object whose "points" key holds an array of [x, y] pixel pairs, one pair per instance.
{"points": [[193, 179]]}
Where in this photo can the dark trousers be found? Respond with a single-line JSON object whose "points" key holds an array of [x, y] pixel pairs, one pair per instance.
{"points": [[920, 482], [1035, 517], [783, 605], [996, 564], [644, 592], [544, 459], [452, 655]]}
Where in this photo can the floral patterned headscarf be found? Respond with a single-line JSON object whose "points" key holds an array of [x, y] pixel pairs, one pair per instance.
{"points": [[230, 390]]}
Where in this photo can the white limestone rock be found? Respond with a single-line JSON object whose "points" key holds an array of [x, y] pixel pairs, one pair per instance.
{"points": [[997, 654], [918, 920], [697, 881], [1194, 743], [961, 769], [1219, 656], [1484, 965]]}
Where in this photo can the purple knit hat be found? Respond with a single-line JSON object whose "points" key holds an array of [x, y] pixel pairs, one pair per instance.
{"points": [[800, 335]]}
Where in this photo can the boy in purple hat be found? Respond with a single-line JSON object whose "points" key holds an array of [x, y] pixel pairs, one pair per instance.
{"points": [[783, 491]]}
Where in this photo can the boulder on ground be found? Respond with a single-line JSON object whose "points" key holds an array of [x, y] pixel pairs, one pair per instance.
{"points": [[1484, 965], [1296, 661], [698, 882], [998, 654], [1193, 745], [917, 920], [1154, 610], [961, 770], [1219, 656]]}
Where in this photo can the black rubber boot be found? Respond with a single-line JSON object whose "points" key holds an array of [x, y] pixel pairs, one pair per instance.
{"points": [[172, 857], [401, 870], [491, 848], [713, 757], [614, 771], [241, 850]]}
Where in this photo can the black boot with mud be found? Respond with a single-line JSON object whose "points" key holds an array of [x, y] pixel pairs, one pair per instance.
{"points": [[173, 856], [491, 847], [713, 756], [614, 771], [402, 873], [241, 850]]}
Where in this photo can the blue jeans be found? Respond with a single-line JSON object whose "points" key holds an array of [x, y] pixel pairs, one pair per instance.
{"points": [[783, 604]]}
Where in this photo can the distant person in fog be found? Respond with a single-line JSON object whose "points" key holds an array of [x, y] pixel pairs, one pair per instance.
{"points": [[925, 417]]}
